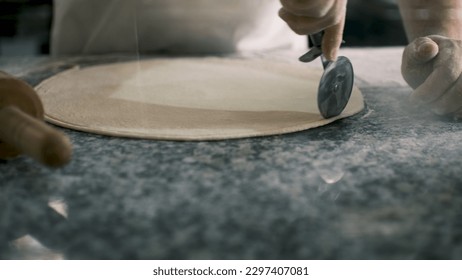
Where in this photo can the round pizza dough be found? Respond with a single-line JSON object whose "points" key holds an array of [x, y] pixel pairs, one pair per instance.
{"points": [[188, 98]]}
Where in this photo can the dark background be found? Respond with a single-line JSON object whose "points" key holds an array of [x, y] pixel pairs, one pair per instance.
{"points": [[25, 25]]}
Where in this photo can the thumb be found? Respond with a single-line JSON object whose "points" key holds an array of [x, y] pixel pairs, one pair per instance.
{"points": [[333, 37], [420, 51], [416, 64]]}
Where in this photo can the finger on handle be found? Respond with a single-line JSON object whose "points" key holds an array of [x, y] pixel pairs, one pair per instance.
{"points": [[333, 37]]}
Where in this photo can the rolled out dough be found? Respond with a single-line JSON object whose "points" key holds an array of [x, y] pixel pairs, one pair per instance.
{"points": [[188, 99]]}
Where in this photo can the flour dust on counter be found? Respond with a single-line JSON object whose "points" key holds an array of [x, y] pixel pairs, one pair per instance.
{"points": [[188, 98]]}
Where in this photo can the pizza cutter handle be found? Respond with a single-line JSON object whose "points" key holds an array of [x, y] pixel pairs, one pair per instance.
{"points": [[33, 137], [315, 44], [315, 40]]}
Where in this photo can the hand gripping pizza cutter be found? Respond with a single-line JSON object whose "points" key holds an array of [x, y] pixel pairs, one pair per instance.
{"points": [[336, 83]]}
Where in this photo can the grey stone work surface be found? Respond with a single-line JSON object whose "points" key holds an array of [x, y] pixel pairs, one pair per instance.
{"points": [[384, 184]]}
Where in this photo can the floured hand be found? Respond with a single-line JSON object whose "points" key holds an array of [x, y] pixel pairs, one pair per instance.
{"points": [[432, 66], [312, 16]]}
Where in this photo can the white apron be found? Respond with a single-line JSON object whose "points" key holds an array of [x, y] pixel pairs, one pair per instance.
{"points": [[170, 26]]}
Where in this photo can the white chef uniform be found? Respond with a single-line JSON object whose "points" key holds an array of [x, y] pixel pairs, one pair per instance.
{"points": [[170, 26]]}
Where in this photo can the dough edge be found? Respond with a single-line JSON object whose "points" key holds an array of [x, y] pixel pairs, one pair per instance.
{"points": [[355, 105]]}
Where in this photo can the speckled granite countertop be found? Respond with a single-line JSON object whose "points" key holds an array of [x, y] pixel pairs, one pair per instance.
{"points": [[384, 184]]}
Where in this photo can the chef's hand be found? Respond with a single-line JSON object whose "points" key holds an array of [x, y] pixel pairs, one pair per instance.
{"points": [[432, 66], [312, 16]]}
